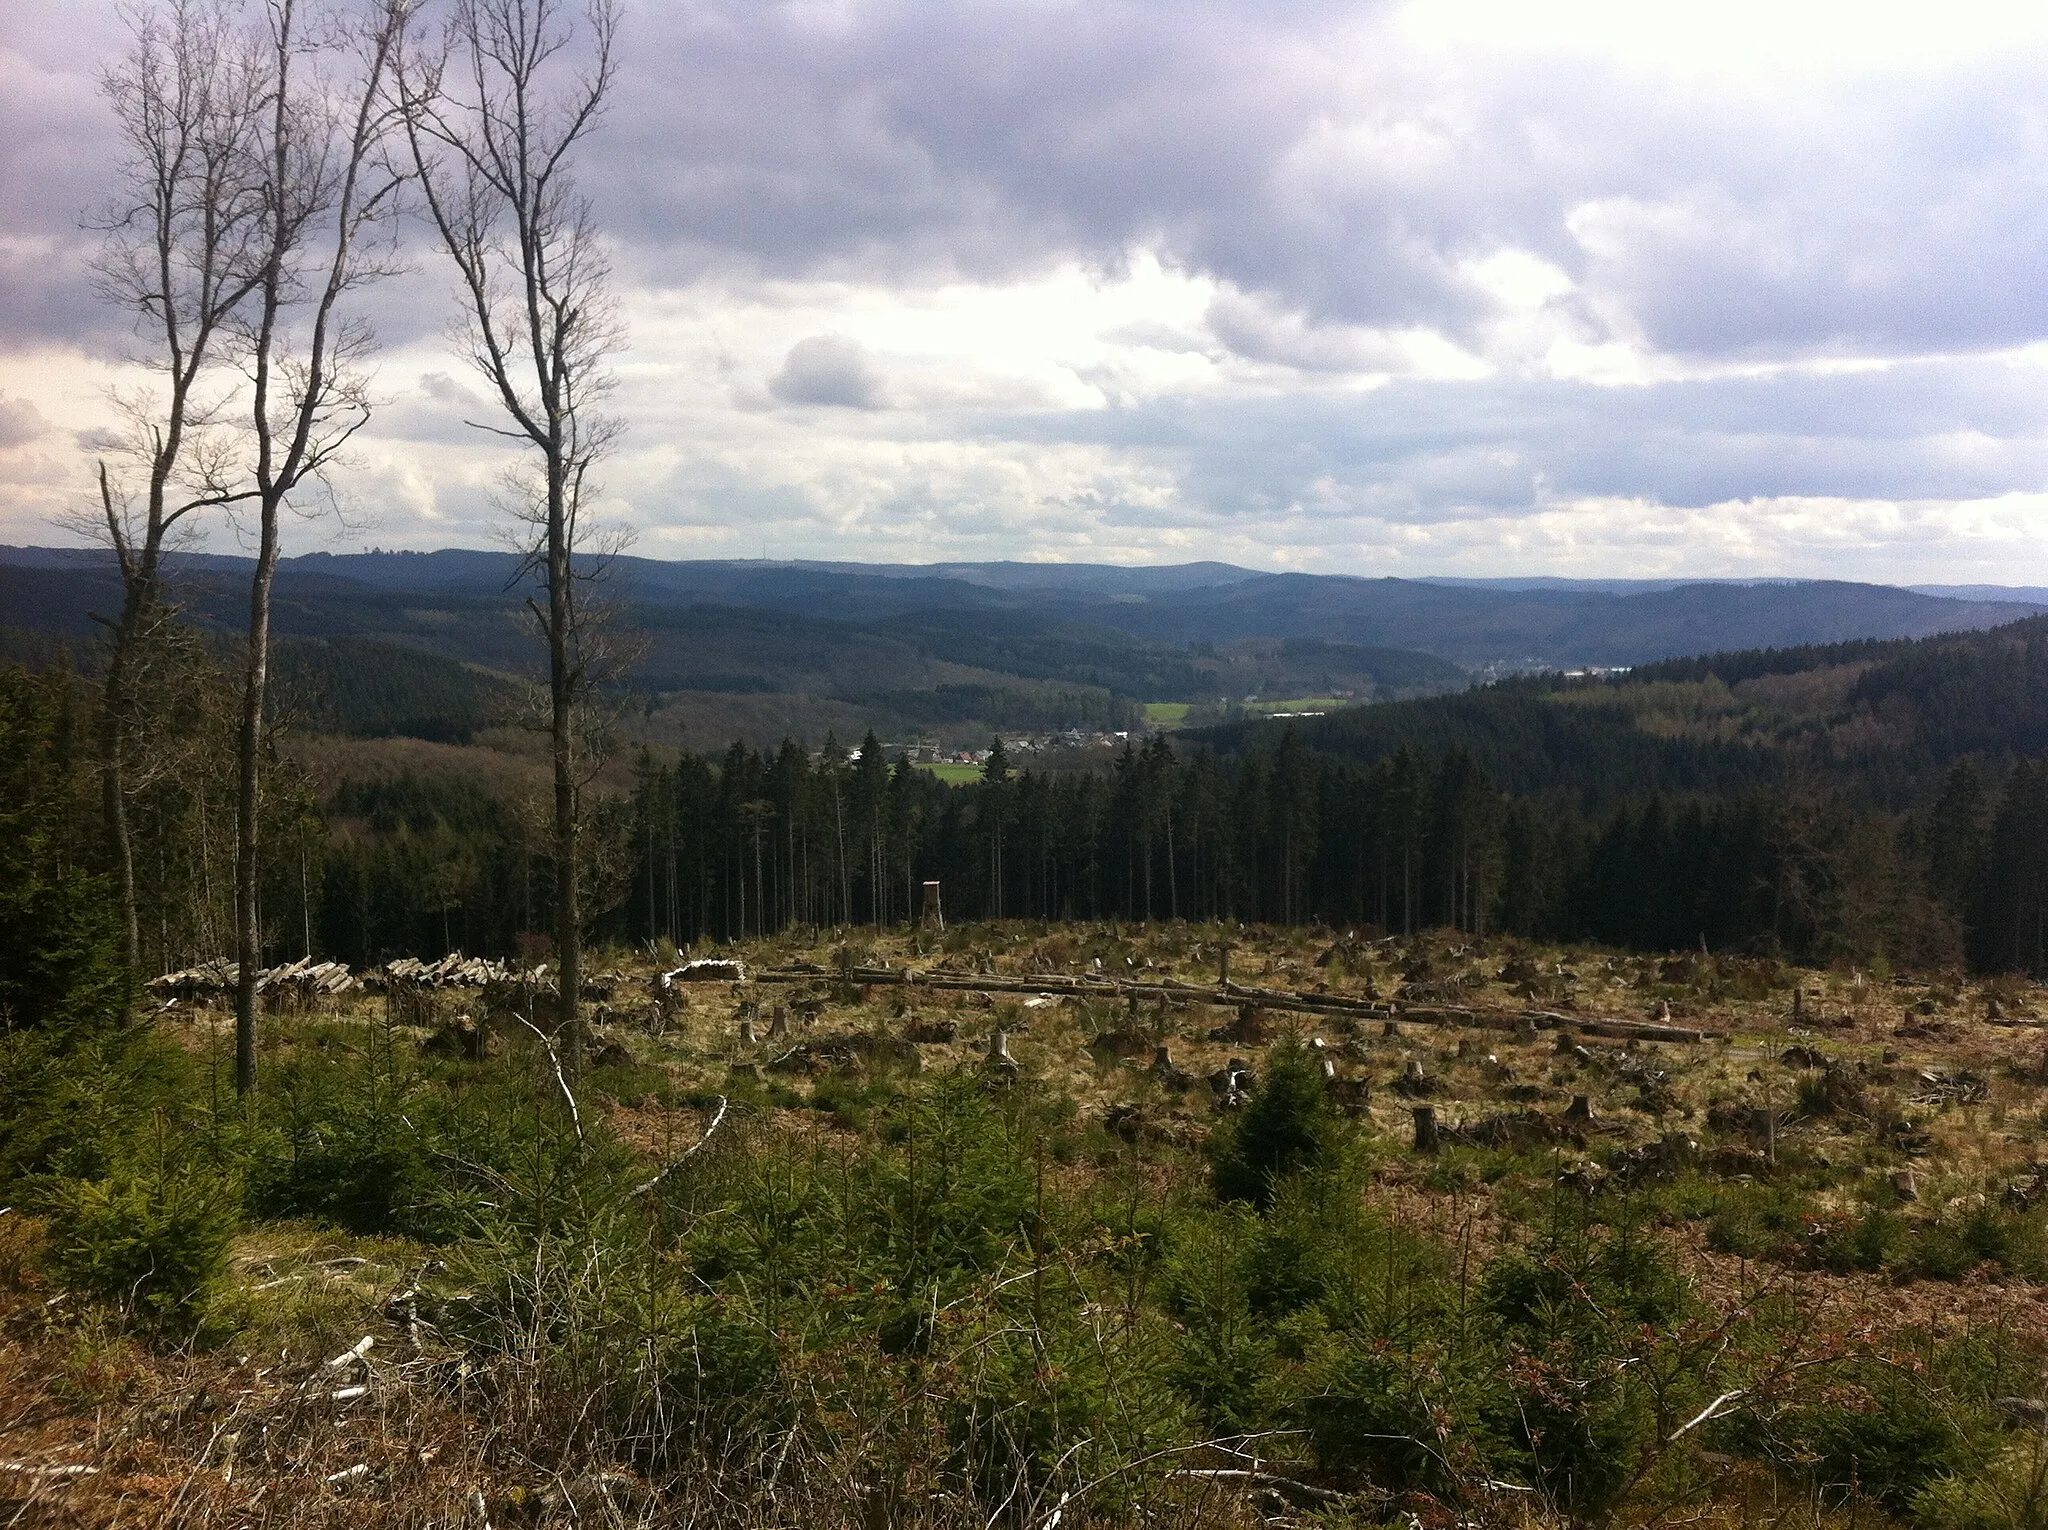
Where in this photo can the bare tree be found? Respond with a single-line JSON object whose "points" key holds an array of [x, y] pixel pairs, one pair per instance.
{"points": [[495, 115], [328, 198], [182, 253]]}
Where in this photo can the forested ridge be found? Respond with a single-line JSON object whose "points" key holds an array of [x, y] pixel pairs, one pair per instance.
{"points": [[1851, 800]]}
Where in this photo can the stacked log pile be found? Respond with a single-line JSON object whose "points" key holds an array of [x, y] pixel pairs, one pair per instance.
{"points": [[209, 981], [304, 981], [452, 971], [299, 982]]}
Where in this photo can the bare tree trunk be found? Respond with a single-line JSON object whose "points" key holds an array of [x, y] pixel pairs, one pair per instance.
{"points": [[492, 158], [114, 705], [323, 199], [562, 753], [176, 254], [248, 750]]}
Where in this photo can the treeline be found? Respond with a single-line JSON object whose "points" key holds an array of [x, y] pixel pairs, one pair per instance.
{"points": [[1538, 808], [754, 843], [180, 804], [709, 849]]}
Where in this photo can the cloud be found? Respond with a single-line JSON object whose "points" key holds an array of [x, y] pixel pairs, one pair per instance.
{"points": [[20, 423], [1348, 284], [828, 369], [1253, 329], [1317, 156]]}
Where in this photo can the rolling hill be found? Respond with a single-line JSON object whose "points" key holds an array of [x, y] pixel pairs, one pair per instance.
{"points": [[953, 651]]}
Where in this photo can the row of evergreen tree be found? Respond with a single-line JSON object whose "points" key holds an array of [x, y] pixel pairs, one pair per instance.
{"points": [[753, 843], [705, 849]]}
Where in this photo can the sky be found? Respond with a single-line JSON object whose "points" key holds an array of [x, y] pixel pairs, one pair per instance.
{"points": [[1474, 287]]}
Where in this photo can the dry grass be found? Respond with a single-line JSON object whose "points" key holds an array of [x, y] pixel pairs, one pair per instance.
{"points": [[98, 1429]]}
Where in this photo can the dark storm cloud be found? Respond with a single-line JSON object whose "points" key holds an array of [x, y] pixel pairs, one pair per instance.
{"points": [[771, 171]]}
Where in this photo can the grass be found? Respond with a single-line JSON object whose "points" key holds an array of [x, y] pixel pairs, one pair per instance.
{"points": [[1166, 714], [1300, 704], [953, 773], [895, 1291]]}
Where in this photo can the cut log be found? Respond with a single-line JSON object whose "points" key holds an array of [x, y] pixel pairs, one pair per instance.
{"points": [[1238, 994]]}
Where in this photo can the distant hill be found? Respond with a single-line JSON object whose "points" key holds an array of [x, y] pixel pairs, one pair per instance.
{"points": [[1879, 718], [1548, 627], [2035, 594], [957, 650]]}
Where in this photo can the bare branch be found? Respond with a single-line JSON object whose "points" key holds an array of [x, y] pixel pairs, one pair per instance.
{"points": [[687, 1154], [561, 1078]]}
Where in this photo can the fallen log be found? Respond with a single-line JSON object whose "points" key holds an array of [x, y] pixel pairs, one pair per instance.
{"points": [[1227, 994]]}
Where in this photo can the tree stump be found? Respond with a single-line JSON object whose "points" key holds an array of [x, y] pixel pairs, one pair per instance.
{"points": [[1425, 1128], [1251, 1025]]}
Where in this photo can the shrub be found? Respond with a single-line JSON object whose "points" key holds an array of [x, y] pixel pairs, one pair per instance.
{"points": [[1879, 1431], [1943, 1250], [1758, 1221], [361, 1140], [1227, 1357], [365, 1174], [1868, 1243], [1575, 1315], [1623, 1275], [150, 1244], [955, 1191], [614, 1343], [1369, 1413], [1047, 1400], [1282, 1131], [74, 1107], [2009, 1493]]}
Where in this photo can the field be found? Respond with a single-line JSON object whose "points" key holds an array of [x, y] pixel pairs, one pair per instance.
{"points": [[953, 773], [1032, 1224], [1166, 714], [1298, 704]]}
